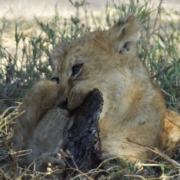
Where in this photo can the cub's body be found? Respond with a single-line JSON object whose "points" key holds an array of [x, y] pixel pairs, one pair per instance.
{"points": [[133, 106]]}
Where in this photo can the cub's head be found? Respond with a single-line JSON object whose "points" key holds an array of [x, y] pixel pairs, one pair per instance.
{"points": [[94, 60]]}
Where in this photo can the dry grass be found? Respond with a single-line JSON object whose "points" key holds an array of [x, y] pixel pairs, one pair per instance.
{"points": [[25, 57]]}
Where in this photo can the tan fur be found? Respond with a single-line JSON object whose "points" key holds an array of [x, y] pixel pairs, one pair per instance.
{"points": [[170, 138], [40, 128], [133, 106]]}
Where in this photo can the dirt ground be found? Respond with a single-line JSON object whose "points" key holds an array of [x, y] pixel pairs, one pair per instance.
{"points": [[45, 8], [18, 10]]}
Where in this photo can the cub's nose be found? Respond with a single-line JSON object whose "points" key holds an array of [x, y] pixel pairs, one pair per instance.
{"points": [[63, 104]]}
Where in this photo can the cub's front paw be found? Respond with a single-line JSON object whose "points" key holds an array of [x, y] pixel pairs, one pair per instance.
{"points": [[51, 163]]}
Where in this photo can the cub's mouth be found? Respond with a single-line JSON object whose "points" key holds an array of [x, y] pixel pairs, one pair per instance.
{"points": [[74, 100], [72, 104], [63, 104]]}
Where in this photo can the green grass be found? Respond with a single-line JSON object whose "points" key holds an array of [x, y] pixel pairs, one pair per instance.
{"points": [[28, 58]]}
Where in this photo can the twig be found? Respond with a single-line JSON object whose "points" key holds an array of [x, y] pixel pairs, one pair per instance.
{"points": [[155, 150], [154, 165], [13, 90], [135, 176], [12, 119], [19, 178], [80, 172], [12, 107], [74, 169], [166, 92], [5, 175], [115, 157], [163, 70], [21, 153]]}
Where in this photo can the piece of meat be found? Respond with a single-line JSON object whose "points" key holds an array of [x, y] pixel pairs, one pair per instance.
{"points": [[82, 138]]}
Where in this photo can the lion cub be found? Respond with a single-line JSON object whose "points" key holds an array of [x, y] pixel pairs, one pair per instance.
{"points": [[133, 108]]}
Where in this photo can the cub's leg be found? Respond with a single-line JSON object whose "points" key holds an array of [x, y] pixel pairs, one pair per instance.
{"points": [[170, 137], [40, 126]]}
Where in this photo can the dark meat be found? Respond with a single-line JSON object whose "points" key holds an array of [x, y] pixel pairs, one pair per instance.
{"points": [[82, 138]]}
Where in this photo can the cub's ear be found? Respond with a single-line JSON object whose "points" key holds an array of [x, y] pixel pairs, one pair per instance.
{"points": [[124, 35], [59, 52]]}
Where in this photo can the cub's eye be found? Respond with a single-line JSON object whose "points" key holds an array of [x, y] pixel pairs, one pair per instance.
{"points": [[56, 79], [76, 68]]}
